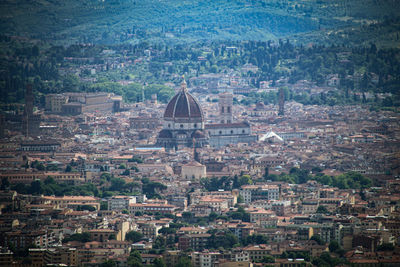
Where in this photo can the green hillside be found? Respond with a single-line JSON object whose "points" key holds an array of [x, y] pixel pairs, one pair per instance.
{"points": [[114, 21]]}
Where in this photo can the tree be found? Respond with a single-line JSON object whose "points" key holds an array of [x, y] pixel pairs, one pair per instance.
{"points": [[268, 259], [126, 173], [36, 188], [117, 184], [49, 180], [159, 262], [184, 262], [135, 259], [333, 246], [122, 166], [167, 230], [255, 239], [266, 172], [109, 263], [83, 237], [385, 247], [322, 209], [225, 240], [4, 183], [104, 205], [134, 236], [106, 176], [212, 216], [68, 168], [160, 242], [318, 239]]}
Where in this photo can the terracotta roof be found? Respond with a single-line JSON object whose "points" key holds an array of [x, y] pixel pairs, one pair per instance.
{"points": [[228, 125], [183, 105]]}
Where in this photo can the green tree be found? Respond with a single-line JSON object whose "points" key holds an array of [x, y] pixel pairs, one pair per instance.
{"points": [[386, 247], [268, 259], [322, 209], [318, 239], [134, 236], [160, 242], [135, 259], [333, 246], [122, 166], [184, 262], [68, 168], [4, 183], [212, 216], [225, 240], [104, 205], [109, 263], [159, 262], [83, 237], [36, 188]]}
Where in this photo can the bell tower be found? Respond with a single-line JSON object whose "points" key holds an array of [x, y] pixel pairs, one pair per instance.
{"points": [[225, 108]]}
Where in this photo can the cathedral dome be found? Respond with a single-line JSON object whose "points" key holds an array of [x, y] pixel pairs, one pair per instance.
{"points": [[183, 106]]}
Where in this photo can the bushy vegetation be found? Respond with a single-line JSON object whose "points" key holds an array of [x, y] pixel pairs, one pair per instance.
{"points": [[361, 70], [88, 21], [353, 180], [51, 187]]}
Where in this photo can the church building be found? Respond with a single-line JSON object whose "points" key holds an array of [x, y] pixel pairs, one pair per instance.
{"points": [[184, 124]]}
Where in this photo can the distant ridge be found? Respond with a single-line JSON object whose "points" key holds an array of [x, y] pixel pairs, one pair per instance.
{"points": [[118, 21]]}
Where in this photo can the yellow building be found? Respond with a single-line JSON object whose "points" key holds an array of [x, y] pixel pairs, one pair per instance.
{"points": [[193, 171]]}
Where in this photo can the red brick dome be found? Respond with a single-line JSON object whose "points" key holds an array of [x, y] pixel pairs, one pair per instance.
{"points": [[183, 106]]}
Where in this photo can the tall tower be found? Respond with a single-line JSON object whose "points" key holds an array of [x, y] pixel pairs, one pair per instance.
{"points": [[30, 122], [2, 125], [281, 111], [225, 108], [28, 101]]}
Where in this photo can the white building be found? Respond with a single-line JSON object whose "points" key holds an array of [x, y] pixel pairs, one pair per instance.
{"points": [[255, 192], [120, 202]]}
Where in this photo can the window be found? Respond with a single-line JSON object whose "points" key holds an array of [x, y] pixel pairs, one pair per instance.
{"points": [[181, 125], [222, 109], [229, 109], [231, 131], [220, 132], [169, 125], [243, 131], [195, 125]]}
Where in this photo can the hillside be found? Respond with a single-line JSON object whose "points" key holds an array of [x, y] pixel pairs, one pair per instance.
{"points": [[114, 21]]}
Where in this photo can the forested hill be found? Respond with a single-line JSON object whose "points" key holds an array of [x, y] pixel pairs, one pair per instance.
{"points": [[114, 21]]}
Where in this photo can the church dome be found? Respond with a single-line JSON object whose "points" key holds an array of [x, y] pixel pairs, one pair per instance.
{"points": [[183, 106]]}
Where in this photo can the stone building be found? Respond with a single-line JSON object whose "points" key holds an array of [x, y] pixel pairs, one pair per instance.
{"points": [[193, 171], [183, 122], [225, 107]]}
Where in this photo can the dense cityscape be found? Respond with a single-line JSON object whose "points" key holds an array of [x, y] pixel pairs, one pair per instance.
{"points": [[215, 153]]}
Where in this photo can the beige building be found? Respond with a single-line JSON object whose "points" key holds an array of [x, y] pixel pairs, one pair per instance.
{"points": [[193, 171], [72, 201], [54, 102]]}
